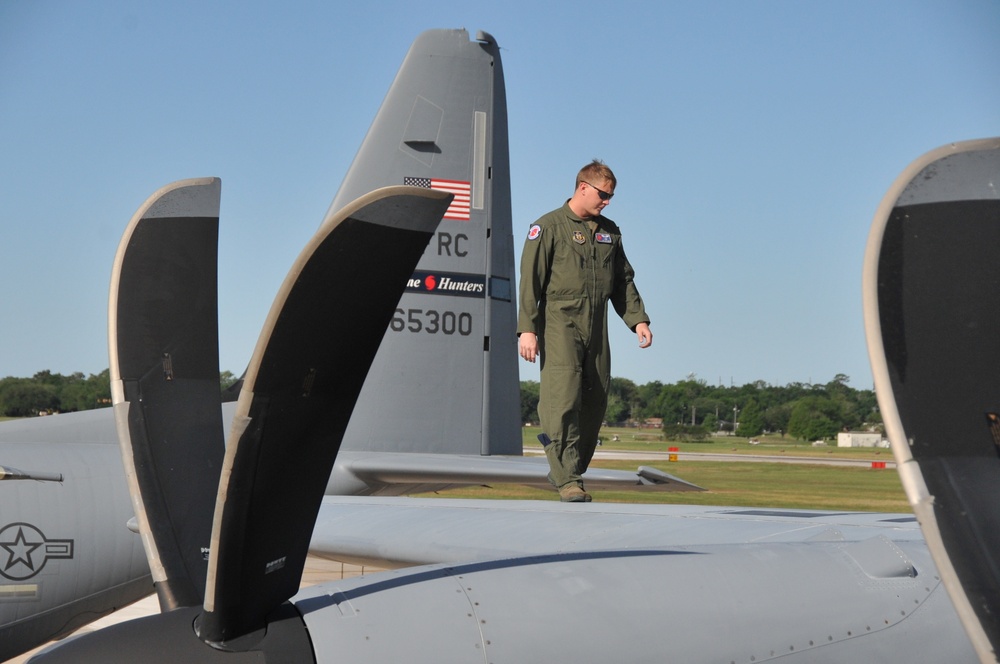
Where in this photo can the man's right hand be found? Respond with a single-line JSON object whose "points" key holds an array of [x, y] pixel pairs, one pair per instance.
{"points": [[527, 346]]}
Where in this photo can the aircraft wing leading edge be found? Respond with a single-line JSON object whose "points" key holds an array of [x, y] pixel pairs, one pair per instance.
{"points": [[401, 532]]}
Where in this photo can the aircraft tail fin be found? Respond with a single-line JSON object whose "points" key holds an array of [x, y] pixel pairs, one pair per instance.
{"points": [[164, 366], [931, 284], [448, 363]]}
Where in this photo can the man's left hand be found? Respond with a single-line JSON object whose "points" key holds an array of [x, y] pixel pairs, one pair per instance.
{"points": [[645, 335]]}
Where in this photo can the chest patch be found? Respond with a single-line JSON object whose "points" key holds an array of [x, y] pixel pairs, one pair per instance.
{"points": [[603, 238], [579, 237], [534, 232]]}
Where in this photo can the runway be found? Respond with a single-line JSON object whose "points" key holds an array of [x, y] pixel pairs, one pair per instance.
{"points": [[664, 457]]}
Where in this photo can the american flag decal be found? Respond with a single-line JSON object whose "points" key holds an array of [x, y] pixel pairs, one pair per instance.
{"points": [[459, 208]]}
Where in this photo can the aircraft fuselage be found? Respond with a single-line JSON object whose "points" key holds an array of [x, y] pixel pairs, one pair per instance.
{"points": [[66, 553]]}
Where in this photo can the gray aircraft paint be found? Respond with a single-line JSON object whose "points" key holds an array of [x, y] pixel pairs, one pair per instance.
{"points": [[445, 118], [931, 284], [389, 532], [866, 601], [66, 555]]}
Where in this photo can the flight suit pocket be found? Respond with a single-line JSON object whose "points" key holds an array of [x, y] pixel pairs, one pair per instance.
{"points": [[565, 311]]}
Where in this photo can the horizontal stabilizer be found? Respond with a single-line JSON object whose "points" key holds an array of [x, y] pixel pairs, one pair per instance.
{"points": [[361, 473]]}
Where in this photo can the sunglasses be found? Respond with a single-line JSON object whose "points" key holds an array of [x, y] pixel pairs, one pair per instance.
{"points": [[605, 196]]}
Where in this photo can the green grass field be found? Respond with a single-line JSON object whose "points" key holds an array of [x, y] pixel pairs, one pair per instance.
{"points": [[741, 484]]}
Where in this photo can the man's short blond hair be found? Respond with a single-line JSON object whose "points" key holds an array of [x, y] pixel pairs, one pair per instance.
{"points": [[596, 171]]}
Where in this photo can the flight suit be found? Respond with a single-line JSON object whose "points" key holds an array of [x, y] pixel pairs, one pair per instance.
{"points": [[570, 269]]}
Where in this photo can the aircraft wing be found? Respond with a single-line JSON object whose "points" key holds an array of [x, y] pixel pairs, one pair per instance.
{"points": [[66, 555], [383, 473], [399, 532]]}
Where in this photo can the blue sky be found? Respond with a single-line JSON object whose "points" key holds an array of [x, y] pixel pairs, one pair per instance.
{"points": [[752, 141]]}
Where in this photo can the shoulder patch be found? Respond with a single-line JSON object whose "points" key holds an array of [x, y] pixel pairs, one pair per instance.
{"points": [[604, 238], [534, 232]]}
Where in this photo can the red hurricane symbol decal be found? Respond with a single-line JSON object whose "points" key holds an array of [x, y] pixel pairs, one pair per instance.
{"points": [[430, 281]]}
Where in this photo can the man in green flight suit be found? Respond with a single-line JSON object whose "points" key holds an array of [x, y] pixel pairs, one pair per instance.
{"points": [[573, 263]]}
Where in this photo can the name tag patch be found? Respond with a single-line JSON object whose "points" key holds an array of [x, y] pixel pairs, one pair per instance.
{"points": [[603, 238]]}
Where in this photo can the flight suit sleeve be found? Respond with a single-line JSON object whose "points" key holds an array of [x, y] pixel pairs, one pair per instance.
{"points": [[625, 297], [536, 263]]}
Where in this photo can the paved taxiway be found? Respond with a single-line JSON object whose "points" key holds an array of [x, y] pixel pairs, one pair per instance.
{"points": [[664, 457]]}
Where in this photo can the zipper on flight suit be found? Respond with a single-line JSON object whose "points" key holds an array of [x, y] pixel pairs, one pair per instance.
{"points": [[593, 265]]}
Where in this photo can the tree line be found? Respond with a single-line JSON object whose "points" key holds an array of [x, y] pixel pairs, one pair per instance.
{"points": [[46, 393], [692, 408], [689, 407]]}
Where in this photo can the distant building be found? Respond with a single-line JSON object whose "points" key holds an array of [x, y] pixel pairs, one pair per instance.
{"points": [[860, 439], [653, 423]]}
